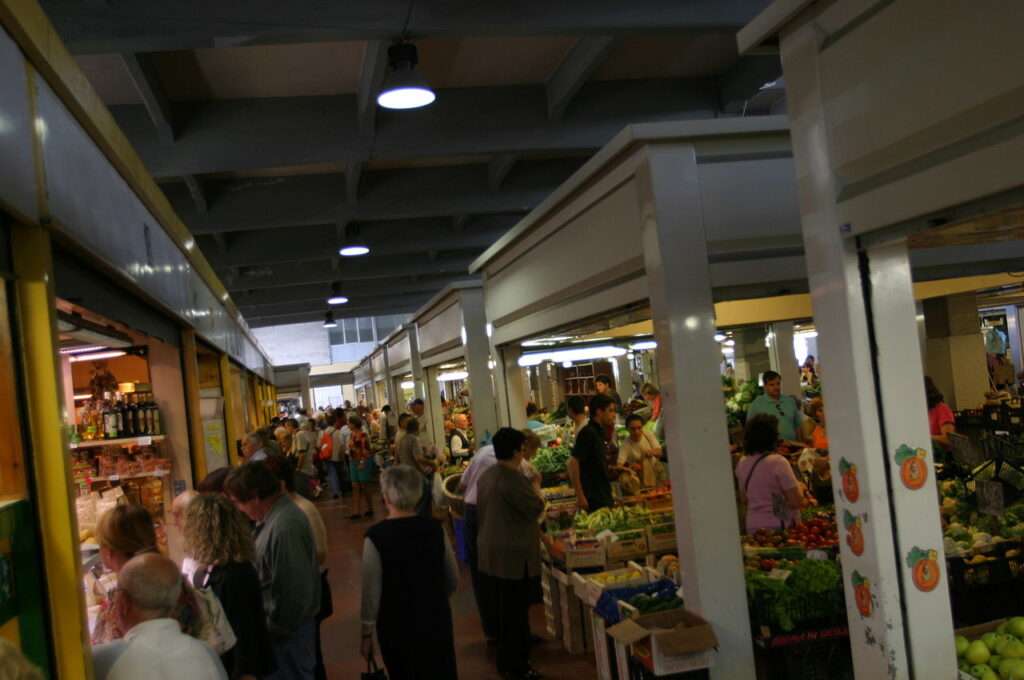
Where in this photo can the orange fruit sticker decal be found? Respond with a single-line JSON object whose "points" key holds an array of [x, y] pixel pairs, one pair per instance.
{"points": [[854, 534], [924, 565], [861, 593], [913, 466], [851, 487]]}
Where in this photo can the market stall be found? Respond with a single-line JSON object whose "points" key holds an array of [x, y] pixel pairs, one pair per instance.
{"points": [[888, 167], [124, 263], [616, 215], [362, 379], [454, 355]]}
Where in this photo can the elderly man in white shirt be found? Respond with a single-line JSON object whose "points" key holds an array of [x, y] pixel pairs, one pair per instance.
{"points": [[154, 647]]}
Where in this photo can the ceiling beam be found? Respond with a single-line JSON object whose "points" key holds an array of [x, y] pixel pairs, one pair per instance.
{"points": [[498, 168], [262, 250], [585, 56], [353, 173], [397, 306], [309, 200], [356, 306], [153, 25], [249, 134], [195, 189], [356, 289], [371, 77], [144, 77], [300, 274]]}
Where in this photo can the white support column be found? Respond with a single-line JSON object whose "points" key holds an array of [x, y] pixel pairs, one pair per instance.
{"points": [[675, 256], [511, 387], [545, 384], [305, 391], [783, 357], [893, 634], [433, 408], [624, 377], [389, 383], [416, 366], [478, 357]]}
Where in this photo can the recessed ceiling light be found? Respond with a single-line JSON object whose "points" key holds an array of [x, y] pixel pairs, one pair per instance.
{"points": [[404, 86], [353, 251]]}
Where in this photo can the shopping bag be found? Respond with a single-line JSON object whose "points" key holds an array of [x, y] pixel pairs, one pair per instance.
{"points": [[372, 671]]}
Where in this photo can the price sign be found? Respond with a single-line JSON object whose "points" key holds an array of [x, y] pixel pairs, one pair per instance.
{"points": [[114, 478], [817, 555], [145, 441], [779, 574], [991, 500]]}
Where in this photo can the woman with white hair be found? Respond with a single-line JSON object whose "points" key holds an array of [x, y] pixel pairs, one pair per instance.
{"points": [[409, 572]]}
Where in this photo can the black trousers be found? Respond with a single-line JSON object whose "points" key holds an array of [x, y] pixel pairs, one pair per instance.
{"points": [[483, 589], [513, 624]]}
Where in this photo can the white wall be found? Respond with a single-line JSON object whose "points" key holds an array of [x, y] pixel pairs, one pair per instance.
{"points": [[299, 343]]}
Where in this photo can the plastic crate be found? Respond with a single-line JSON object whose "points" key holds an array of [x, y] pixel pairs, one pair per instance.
{"points": [[823, 657], [991, 589]]}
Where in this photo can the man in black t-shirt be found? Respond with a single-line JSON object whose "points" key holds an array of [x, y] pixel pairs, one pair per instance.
{"points": [[588, 467]]}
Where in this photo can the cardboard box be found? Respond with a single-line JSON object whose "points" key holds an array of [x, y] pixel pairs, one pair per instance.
{"points": [[668, 642]]}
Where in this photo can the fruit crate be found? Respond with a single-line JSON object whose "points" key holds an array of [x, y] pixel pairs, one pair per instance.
{"points": [[627, 545], [987, 590], [661, 538], [552, 602], [574, 637], [589, 587]]}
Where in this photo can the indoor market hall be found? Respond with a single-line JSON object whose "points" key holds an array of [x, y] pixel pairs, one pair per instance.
{"points": [[587, 340]]}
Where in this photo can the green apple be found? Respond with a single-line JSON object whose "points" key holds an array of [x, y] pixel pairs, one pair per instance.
{"points": [[994, 661], [1001, 643], [1013, 650], [977, 653], [989, 675], [1001, 628], [1017, 672], [1007, 665], [961, 645], [990, 640], [1016, 627]]}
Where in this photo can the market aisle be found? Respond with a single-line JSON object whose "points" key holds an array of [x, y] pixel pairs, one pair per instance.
{"points": [[340, 633]]}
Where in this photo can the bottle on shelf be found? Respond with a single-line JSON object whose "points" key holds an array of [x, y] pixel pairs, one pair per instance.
{"points": [[119, 412], [109, 418], [133, 414]]}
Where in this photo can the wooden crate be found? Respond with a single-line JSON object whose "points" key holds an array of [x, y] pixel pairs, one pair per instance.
{"points": [[629, 545], [552, 602], [662, 541], [573, 631]]}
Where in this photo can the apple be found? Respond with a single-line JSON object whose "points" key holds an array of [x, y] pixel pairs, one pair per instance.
{"points": [[1001, 629], [1016, 627], [1017, 672], [961, 645], [1008, 665], [1014, 649], [990, 640], [1001, 642], [994, 661], [977, 653]]}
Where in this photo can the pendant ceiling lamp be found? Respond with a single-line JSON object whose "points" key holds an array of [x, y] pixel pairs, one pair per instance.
{"points": [[336, 297], [329, 321], [404, 86]]}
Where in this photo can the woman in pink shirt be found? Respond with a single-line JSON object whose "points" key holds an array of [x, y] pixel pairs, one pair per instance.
{"points": [[766, 480], [940, 417]]}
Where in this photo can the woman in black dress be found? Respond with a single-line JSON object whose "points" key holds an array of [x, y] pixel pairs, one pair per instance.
{"points": [[219, 539], [409, 572]]}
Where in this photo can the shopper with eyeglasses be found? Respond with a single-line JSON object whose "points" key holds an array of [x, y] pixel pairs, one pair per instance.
{"points": [[785, 407]]}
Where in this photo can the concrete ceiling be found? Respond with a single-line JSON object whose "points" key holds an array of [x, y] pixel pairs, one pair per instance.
{"points": [[259, 120]]}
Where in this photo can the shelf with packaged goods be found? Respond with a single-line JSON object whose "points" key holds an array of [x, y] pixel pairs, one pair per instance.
{"points": [[124, 441], [136, 475]]}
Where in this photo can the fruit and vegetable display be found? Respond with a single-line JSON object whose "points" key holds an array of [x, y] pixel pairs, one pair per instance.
{"points": [[736, 405], [617, 519], [656, 602], [805, 593], [551, 459], [996, 655], [970, 534], [617, 577], [816, 533]]}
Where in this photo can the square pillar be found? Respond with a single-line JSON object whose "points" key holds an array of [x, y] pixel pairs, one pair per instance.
{"points": [[433, 408], [752, 357], [478, 359], [783, 358], [389, 383], [416, 366], [511, 387], [865, 316], [956, 358], [697, 440], [624, 377]]}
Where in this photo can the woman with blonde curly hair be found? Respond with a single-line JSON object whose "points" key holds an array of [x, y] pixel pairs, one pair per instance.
{"points": [[219, 539]]}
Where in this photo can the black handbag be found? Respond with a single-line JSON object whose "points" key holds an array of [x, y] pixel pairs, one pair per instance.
{"points": [[372, 671]]}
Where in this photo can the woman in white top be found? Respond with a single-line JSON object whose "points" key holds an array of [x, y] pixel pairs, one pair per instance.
{"points": [[641, 451]]}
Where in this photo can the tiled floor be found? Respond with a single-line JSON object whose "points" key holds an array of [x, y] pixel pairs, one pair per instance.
{"points": [[340, 633]]}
